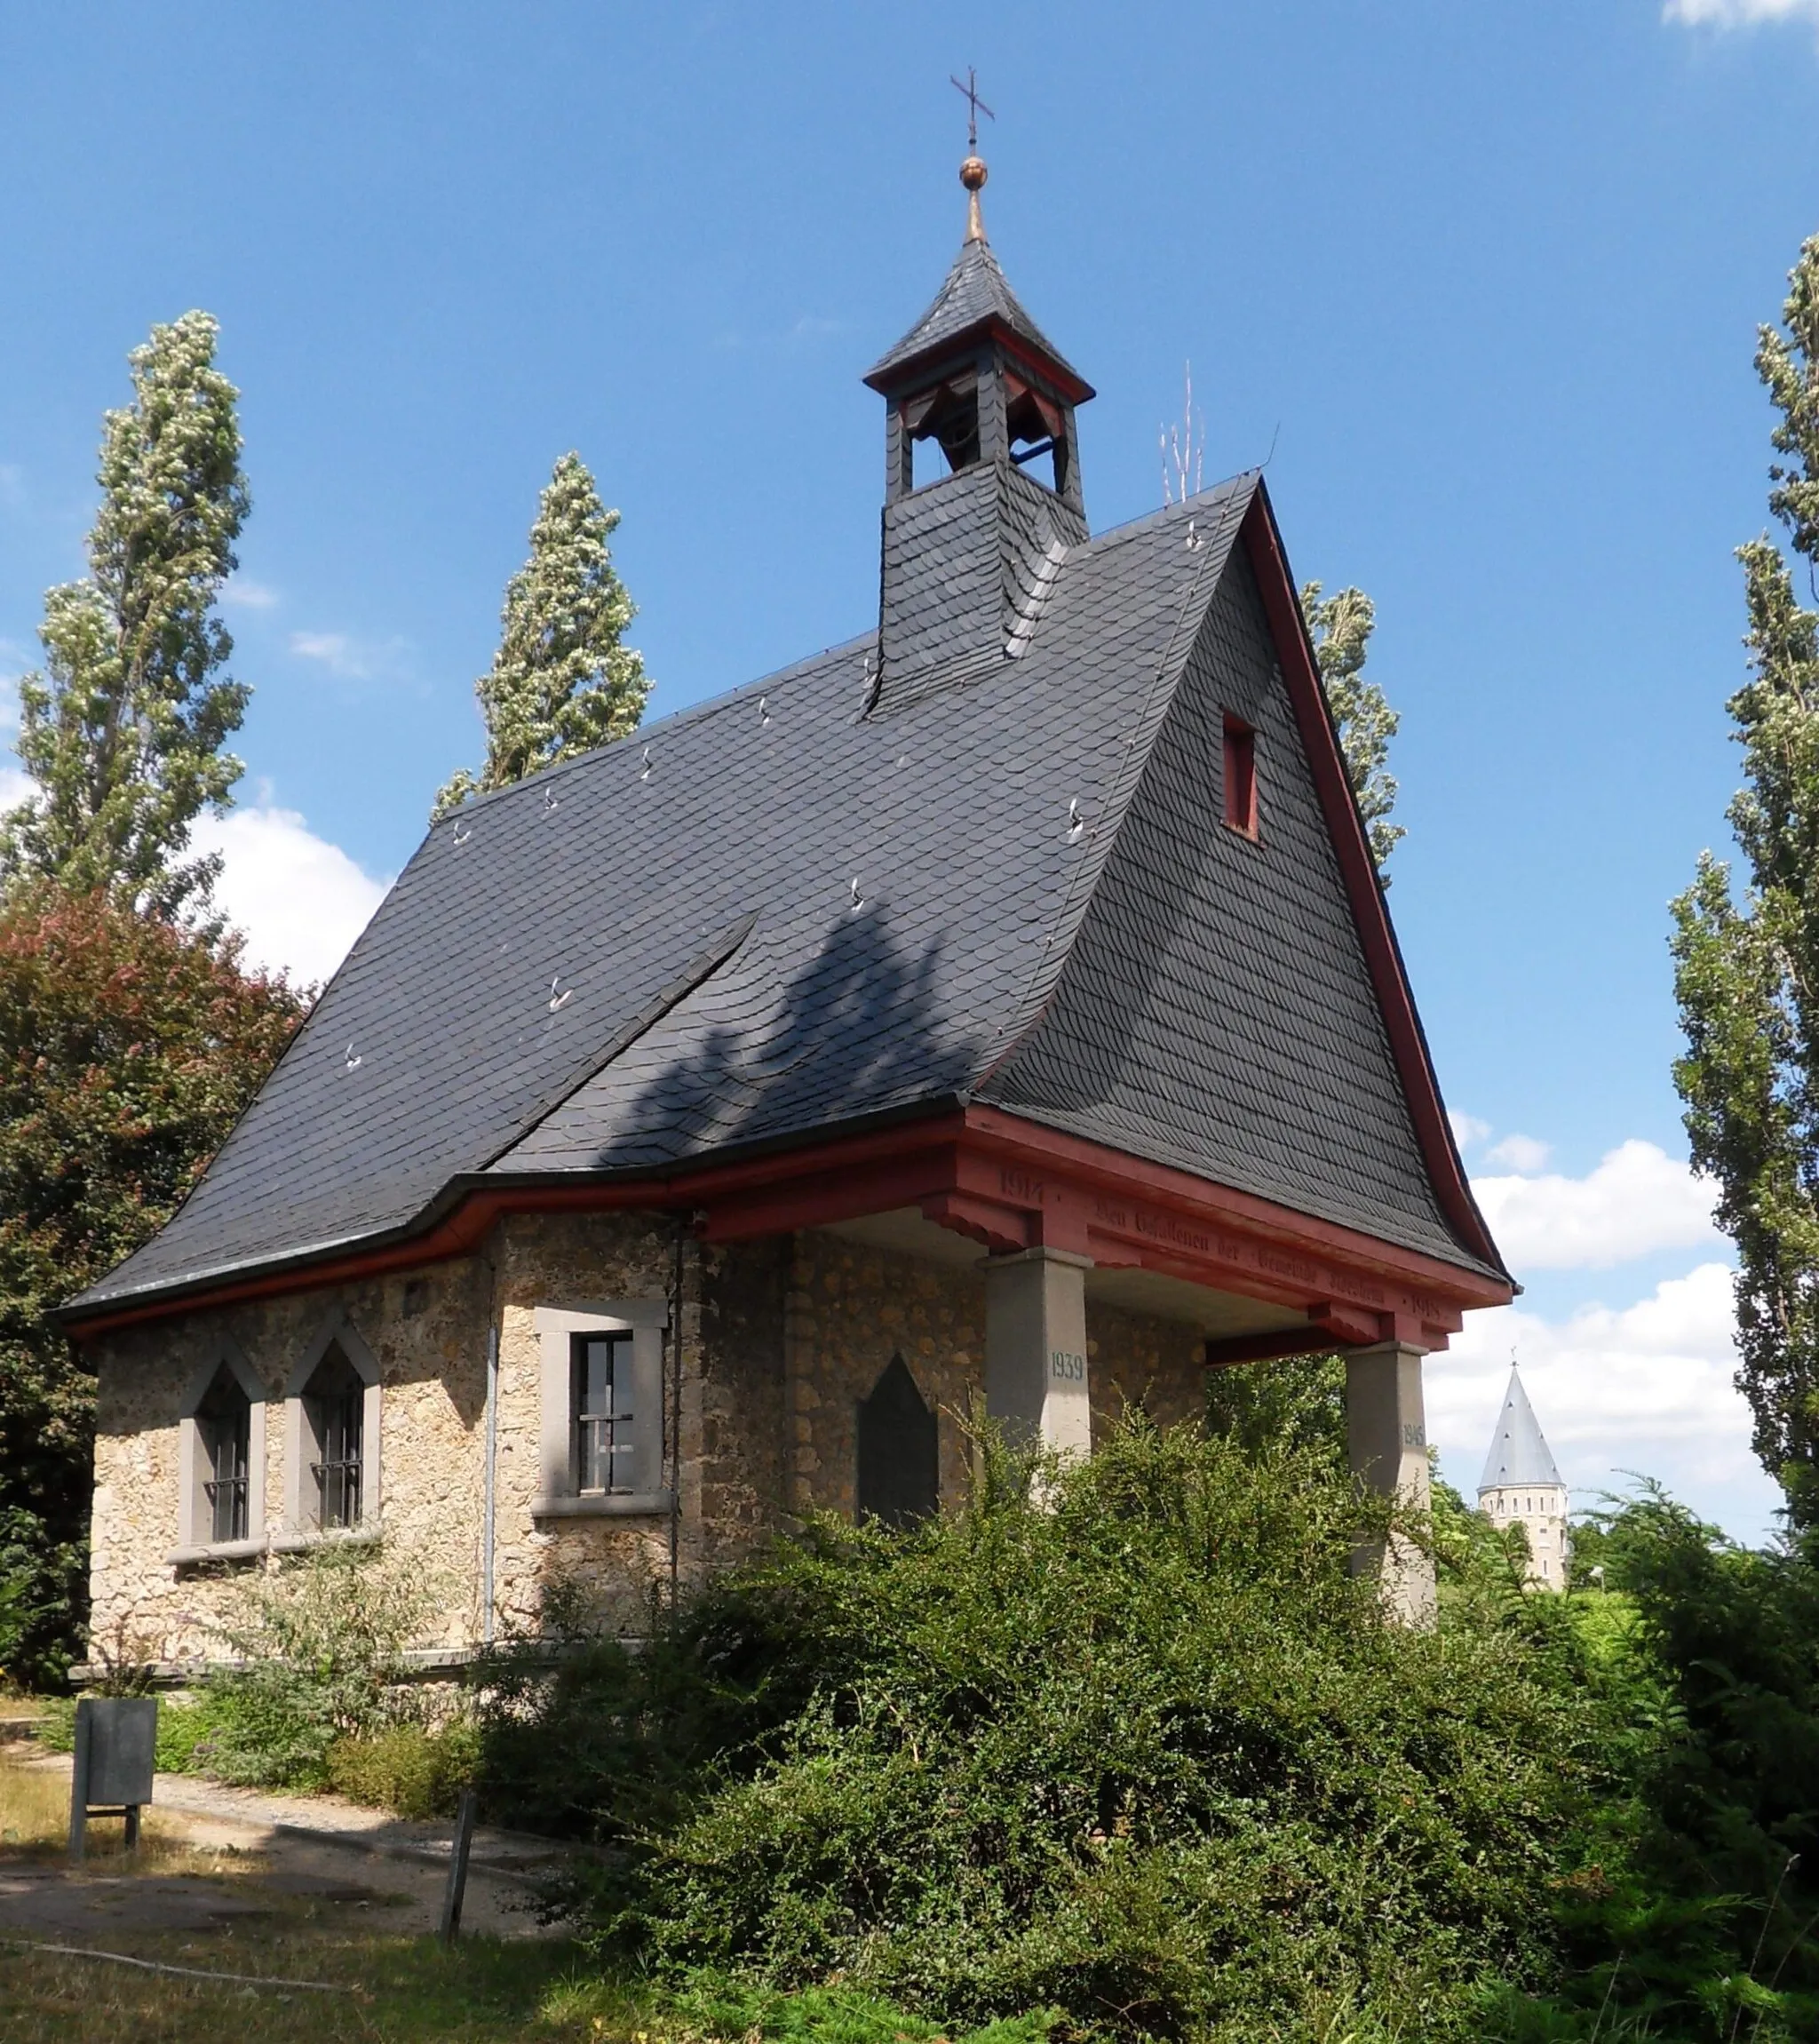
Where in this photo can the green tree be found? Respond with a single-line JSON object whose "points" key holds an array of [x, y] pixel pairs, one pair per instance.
{"points": [[1340, 627], [561, 682], [128, 1047], [122, 730], [1746, 965]]}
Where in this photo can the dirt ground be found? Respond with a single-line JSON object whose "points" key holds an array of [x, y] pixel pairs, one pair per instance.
{"points": [[214, 1858]]}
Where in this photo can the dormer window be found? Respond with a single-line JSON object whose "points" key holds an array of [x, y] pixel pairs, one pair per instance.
{"points": [[948, 417]]}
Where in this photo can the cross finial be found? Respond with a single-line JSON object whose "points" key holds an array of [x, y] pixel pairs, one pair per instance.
{"points": [[976, 106], [972, 171]]}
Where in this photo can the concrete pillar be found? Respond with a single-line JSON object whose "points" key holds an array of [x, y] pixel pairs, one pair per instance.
{"points": [[1386, 1429], [1035, 1382]]}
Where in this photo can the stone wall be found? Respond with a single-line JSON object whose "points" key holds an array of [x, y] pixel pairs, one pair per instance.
{"points": [[1135, 1359], [852, 1307], [427, 1331], [780, 1340]]}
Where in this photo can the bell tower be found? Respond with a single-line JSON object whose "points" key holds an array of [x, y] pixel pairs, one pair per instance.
{"points": [[982, 491]]}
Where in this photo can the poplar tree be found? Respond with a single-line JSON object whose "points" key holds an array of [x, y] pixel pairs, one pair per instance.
{"points": [[123, 728], [1340, 627], [1746, 960], [561, 681]]}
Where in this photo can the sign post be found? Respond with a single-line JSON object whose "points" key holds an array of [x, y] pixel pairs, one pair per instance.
{"points": [[116, 1746]]}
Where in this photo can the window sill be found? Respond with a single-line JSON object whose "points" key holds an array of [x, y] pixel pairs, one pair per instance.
{"points": [[340, 1537], [628, 1505], [217, 1551]]}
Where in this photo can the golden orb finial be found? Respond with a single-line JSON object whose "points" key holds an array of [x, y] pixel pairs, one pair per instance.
{"points": [[973, 175], [972, 171]]}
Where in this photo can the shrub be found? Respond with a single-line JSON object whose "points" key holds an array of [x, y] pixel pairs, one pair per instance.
{"points": [[1145, 1752], [321, 1645], [408, 1768]]}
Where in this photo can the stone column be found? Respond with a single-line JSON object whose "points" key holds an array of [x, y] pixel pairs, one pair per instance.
{"points": [[1386, 1429], [1036, 1383]]}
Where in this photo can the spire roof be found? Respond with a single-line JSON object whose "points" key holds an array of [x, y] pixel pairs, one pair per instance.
{"points": [[1518, 1453], [975, 295]]}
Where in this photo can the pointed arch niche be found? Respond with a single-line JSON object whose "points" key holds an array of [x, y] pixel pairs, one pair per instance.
{"points": [[899, 1474], [331, 1436]]}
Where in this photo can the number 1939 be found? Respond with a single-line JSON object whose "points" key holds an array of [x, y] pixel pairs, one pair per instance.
{"points": [[1065, 1364]]}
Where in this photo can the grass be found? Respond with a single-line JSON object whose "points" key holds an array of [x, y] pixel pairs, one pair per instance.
{"points": [[404, 1989], [34, 1826], [482, 1991]]}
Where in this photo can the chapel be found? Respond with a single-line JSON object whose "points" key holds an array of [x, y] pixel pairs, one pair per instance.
{"points": [[997, 1013]]}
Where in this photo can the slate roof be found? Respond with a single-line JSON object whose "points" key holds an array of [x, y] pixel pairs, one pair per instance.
{"points": [[1518, 1452], [774, 916], [974, 293]]}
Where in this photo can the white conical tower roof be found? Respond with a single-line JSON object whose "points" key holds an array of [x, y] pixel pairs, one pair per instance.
{"points": [[1518, 1452]]}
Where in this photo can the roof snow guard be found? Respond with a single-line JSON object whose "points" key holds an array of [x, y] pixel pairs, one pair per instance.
{"points": [[1518, 1452], [769, 920]]}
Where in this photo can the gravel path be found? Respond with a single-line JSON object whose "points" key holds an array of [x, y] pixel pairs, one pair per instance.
{"points": [[322, 1848]]}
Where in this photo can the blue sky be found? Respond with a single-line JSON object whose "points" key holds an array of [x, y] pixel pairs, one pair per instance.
{"points": [[1484, 278]]}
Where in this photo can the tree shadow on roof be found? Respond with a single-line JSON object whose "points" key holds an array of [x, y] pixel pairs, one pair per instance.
{"points": [[860, 1028]]}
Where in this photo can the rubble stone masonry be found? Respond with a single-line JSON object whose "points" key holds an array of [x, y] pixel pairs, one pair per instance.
{"points": [[779, 1340]]}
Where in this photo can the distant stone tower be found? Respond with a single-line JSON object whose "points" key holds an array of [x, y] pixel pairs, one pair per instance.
{"points": [[1520, 1486]]}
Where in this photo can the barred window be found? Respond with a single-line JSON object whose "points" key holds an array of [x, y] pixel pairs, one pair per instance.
{"points": [[224, 1420], [334, 1403]]}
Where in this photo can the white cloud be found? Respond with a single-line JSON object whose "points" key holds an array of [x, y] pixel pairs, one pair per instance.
{"points": [[1638, 1200], [1520, 1153], [243, 593], [1646, 1388], [335, 650], [300, 900], [1468, 1129], [1738, 14], [352, 658]]}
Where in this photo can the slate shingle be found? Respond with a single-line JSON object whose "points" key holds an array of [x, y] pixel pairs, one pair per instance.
{"points": [[974, 292], [654, 951]]}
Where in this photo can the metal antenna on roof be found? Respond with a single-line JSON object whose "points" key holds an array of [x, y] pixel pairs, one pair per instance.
{"points": [[353, 1063], [1184, 447]]}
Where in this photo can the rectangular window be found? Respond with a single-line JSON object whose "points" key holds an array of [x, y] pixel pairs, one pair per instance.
{"points": [[604, 1418], [1241, 777]]}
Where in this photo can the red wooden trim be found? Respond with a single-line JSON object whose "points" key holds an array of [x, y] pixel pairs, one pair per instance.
{"points": [[1268, 1347], [1001, 1180], [1038, 1147], [1071, 388], [1382, 954]]}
